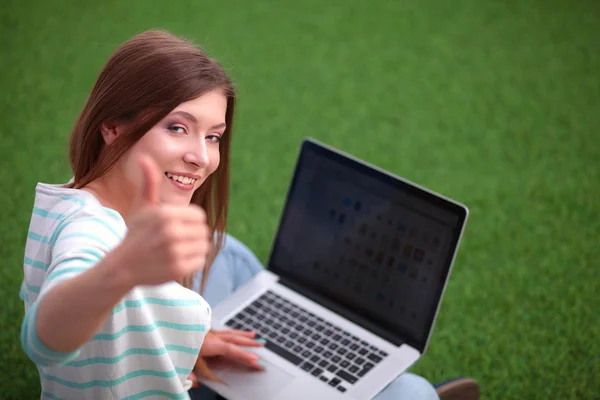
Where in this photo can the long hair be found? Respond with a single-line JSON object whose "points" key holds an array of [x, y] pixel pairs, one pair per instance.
{"points": [[141, 83]]}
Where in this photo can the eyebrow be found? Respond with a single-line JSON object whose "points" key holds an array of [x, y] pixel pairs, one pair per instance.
{"points": [[193, 119]]}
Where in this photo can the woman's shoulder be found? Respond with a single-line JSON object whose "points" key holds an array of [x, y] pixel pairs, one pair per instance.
{"points": [[66, 205]]}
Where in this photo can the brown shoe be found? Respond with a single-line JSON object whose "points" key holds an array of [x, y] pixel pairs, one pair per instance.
{"points": [[458, 389]]}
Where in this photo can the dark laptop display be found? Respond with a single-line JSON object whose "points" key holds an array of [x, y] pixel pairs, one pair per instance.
{"points": [[375, 248]]}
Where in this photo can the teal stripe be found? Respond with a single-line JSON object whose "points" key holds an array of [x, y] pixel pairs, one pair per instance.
{"points": [[150, 328], [36, 264], [111, 382], [83, 235], [183, 371], [73, 199], [152, 300], [119, 358], [190, 350], [32, 288], [101, 222], [38, 237], [137, 351], [22, 294], [62, 224], [62, 271], [46, 395], [47, 214], [160, 393]]}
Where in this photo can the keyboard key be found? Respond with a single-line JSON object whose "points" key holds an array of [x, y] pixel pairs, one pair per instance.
{"points": [[310, 345], [319, 328], [302, 339], [229, 323], [297, 349], [318, 349], [355, 338], [345, 342], [336, 337], [323, 364], [285, 331], [350, 356], [341, 389], [383, 353], [250, 311], [344, 364], [359, 361], [373, 348], [368, 366], [307, 366], [353, 368], [289, 344], [324, 341], [363, 352], [332, 368], [374, 357], [294, 359], [341, 351], [306, 354], [308, 332], [354, 347], [333, 346], [311, 323], [327, 354], [335, 382], [324, 379], [317, 372], [315, 359], [293, 335], [328, 332], [316, 336], [280, 339], [346, 376], [336, 359]]}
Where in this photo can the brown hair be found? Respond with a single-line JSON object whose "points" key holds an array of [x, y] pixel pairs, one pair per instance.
{"points": [[141, 83]]}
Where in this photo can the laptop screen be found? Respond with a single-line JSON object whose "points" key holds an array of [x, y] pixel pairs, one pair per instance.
{"points": [[374, 246]]}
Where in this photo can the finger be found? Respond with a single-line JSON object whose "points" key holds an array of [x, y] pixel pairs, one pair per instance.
{"points": [[151, 177], [191, 214], [237, 332], [239, 355], [243, 341]]}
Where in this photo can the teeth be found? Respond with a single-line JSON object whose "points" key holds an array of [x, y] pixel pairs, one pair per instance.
{"points": [[183, 179]]}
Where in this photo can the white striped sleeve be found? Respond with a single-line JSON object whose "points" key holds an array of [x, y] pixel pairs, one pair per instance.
{"points": [[77, 245]]}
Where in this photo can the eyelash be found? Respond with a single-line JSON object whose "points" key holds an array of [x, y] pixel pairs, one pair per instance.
{"points": [[215, 138]]}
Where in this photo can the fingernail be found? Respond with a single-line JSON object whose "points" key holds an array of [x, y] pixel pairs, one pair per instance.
{"points": [[262, 363], [261, 341]]}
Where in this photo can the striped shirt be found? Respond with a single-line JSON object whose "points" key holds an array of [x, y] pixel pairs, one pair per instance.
{"points": [[149, 344]]}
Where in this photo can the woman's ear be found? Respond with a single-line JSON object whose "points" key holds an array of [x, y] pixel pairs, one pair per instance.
{"points": [[110, 131]]}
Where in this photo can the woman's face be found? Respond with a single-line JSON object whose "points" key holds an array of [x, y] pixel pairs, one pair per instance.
{"points": [[184, 145]]}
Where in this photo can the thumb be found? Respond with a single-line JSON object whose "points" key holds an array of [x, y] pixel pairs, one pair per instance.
{"points": [[149, 190]]}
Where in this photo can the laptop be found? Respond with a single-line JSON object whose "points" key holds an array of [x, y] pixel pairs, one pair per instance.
{"points": [[353, 283]]}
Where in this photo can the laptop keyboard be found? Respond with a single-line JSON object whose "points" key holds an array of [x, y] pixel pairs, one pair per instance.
{"points": [[320, 348]]}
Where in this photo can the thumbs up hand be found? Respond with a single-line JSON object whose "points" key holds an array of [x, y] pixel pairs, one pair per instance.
{"points": [[163, 243]]}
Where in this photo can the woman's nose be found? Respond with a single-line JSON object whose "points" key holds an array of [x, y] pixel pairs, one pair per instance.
{"points": [[198, 157]]}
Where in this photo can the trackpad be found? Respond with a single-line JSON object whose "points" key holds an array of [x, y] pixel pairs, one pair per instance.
{"points": [[255, 384]]}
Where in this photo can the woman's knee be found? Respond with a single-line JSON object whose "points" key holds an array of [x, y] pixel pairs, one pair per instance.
{"points": [[408, 386]]}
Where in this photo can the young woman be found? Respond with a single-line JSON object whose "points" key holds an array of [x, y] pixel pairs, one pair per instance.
{"points": [[110, 256]]}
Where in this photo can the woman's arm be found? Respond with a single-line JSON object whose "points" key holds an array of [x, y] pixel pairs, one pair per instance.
{"points": [[82, 304]]}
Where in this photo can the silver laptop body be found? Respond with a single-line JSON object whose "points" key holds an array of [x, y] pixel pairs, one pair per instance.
{"points": [[353, 285]]}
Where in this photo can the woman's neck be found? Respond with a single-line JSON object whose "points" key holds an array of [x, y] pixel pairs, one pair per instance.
{"points": [[113, 193]]}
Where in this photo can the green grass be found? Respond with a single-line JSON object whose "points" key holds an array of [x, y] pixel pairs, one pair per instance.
{"points": [[496, 104]]}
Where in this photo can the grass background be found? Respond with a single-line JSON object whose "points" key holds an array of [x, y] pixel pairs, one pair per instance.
{"points": [[494, 103]]}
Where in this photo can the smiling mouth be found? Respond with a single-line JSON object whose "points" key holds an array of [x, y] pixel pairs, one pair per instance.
{"points": [[185, 180]]}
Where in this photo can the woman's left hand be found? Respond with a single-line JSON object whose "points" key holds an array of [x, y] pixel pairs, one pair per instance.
{"points": [[226, 346]]}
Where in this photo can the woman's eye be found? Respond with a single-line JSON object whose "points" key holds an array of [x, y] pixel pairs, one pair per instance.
{"points": [[214, 138], [177, 129]]}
